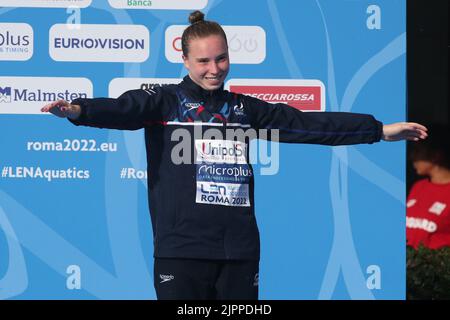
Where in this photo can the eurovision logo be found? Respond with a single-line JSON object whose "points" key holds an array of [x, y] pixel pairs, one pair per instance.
{"points": [[304, 95], [99, 43]]}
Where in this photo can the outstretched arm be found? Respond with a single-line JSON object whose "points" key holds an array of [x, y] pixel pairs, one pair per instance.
{"points": [[130, 111], [404, 131], [329, 128], [63, 109]]}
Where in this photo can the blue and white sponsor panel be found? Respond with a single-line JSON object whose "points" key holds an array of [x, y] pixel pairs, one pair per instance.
{"points": [[74, 221], [16, 41], [27, 95]]}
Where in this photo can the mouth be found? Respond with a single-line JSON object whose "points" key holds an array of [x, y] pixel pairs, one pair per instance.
{"points": [[216, 78]]}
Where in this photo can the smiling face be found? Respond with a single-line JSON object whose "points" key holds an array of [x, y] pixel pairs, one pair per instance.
{"points": [[207, 61]]}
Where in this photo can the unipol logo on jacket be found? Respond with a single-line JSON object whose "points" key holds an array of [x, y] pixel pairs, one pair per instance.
{"points": [[220, 151]]}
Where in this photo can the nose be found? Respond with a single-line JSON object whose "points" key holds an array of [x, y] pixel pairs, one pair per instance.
{"points": [[214, 68]]}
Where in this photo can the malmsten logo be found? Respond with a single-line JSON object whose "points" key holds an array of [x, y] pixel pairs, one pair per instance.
{"points": [[8, 94], [26, 95]]}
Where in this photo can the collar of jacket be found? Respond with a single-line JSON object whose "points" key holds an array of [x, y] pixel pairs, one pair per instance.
{"points": [[199, 92]]}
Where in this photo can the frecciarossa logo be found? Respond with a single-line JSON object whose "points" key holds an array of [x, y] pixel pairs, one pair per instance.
{"points": [[220, 151], [305, 95]]}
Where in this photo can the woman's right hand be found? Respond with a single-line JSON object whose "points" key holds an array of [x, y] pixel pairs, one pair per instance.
{"points": [[63, 109]]}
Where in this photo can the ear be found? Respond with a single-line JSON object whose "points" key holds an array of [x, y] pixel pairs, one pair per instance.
{"points": [[185, 61]]}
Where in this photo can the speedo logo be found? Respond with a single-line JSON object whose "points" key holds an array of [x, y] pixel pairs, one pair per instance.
{"points": [[165, 278], [220, 151], [192, 105]]}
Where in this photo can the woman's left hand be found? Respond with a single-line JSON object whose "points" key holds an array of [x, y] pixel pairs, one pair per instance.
{"points": [[404, 131]]}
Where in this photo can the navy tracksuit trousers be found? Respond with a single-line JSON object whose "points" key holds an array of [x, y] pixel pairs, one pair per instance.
{"points": [[198, 279]]}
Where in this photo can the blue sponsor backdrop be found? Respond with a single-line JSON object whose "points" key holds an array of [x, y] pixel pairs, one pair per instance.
{"points": [[331, 220]]}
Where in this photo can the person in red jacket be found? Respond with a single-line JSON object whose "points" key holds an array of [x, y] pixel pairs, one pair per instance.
{"points": [[428, 204]]}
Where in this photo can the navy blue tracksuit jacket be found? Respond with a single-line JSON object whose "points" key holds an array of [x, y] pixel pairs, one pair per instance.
{"points": [[203, 207]]}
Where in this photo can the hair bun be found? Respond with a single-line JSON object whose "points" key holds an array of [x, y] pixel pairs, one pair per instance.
{"points": [[196, 16]]}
